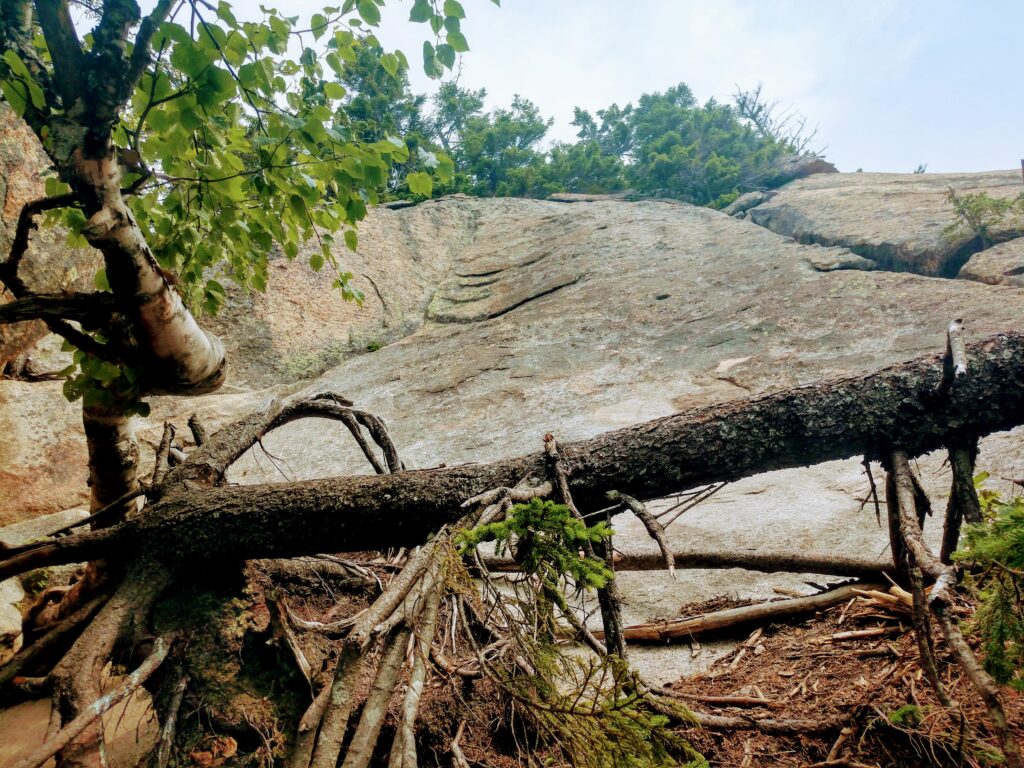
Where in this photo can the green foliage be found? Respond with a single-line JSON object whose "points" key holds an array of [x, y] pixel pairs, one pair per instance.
{"points": [[100, 383], [594, 713], [547, 540], [996, 548], [592, 710], [35, 582], [978, 213], [671, 146], [243, 140], [909, 716], [498, 153]]}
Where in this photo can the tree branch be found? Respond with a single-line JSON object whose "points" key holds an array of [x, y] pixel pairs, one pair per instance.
{"points": [[90, 309], [141, 54], [65, 49]]}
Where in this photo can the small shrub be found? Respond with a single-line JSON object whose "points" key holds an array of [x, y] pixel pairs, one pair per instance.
{"points": [[996, 548], [978, 213]]}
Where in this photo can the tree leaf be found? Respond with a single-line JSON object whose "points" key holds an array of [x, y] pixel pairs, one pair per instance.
{"points": [[421, 11], [419, 183], [458, 41], [454, 8], [369, 12]]}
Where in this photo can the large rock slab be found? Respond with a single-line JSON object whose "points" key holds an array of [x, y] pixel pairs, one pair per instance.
{"points": [[579, 319], [1002, 264], [895, 219]]}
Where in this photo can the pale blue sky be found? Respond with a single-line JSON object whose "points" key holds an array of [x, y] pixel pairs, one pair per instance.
{"points": [[890, 83]]}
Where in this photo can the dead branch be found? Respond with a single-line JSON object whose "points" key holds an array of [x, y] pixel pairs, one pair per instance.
{"points": [[954, 361], [720, 701], [376, 707], [769, 725], [403, 750], [923, 635], [684, 629], [654, 528], [92, 310], [198, 429], [54, 637], [162, 465], [458, 758], [168, 730], [963, 497]]}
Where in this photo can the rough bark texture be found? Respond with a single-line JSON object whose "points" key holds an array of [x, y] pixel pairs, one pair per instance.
{"points": [[666, 631], [853, 416]]}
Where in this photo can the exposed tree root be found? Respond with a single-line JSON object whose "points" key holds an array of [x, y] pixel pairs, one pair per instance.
{"points": [[940, 601], [92, 712]]}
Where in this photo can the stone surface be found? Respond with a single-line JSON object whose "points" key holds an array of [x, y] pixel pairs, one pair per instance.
{"points": [[42, 451], [894, 219], [301, 326], [1002, 264], [130, 731], [799, 167], [49, 265], [11, 595], [11, 591]]}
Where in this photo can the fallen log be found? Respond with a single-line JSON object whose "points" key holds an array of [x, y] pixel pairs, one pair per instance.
{"points": [[684, 629], [836, 419], [765, 562]]}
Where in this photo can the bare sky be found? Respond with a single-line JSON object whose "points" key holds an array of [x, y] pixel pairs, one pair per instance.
{"points": [[889, 83]]}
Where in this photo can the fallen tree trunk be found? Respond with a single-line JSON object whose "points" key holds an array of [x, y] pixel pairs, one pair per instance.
{"points": [[765, 562], [682, 629], [836, 419]]}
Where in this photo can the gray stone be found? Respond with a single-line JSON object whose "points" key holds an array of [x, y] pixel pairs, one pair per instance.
{"points": [[35, 528], [746, 201], [795, 167], [897, 220], [11, 595], [1002, 264], [585, 197], [829, 259]]}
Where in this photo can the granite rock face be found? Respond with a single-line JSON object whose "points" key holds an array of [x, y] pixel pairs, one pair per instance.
{"points": [[895, 220], [49, 265], [505, 319]]}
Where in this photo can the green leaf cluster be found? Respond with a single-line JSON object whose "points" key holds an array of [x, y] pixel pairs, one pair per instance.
{"points": [[593, 711], [98, 383], [246, 141], [667, 145], [996, 549], [547, 540]]}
